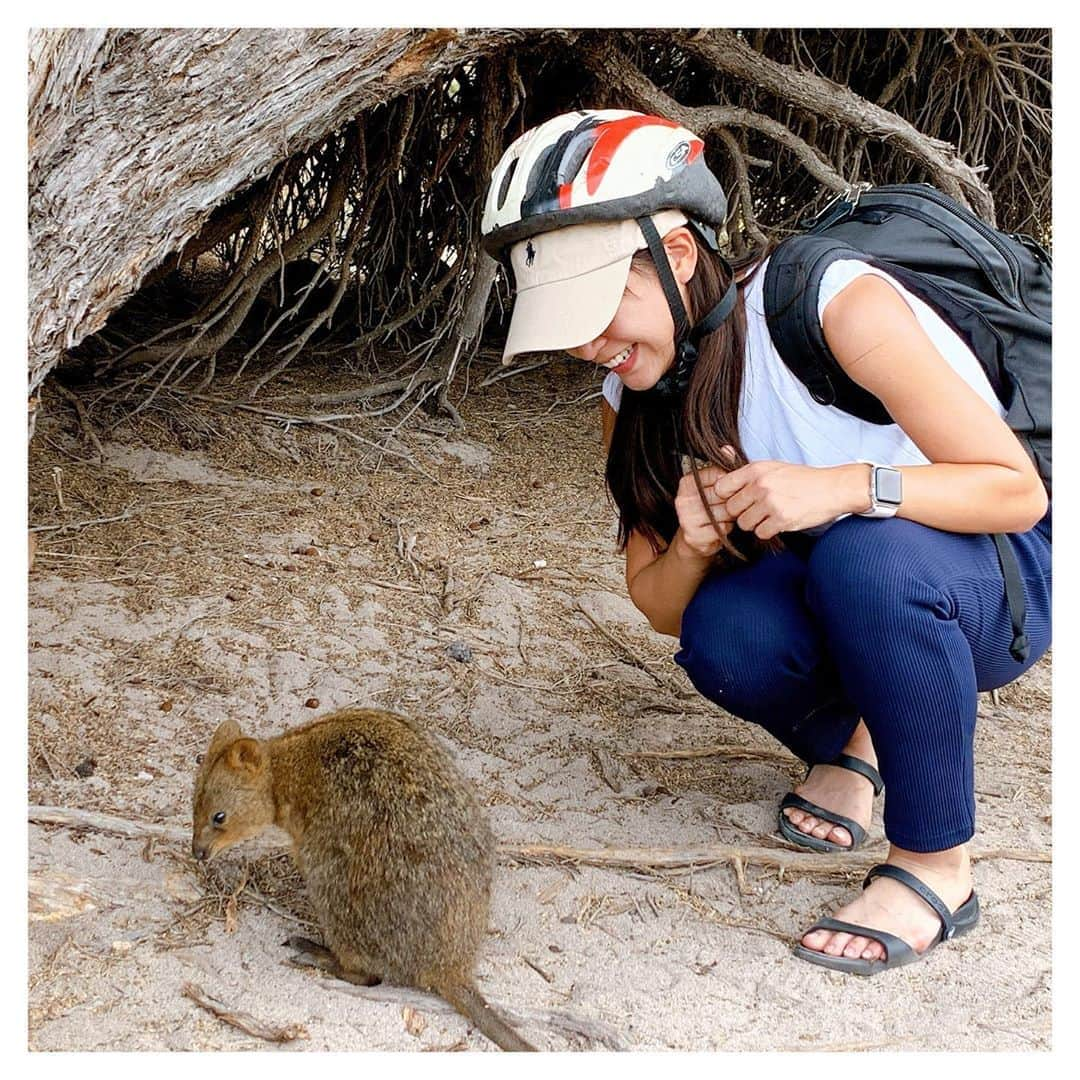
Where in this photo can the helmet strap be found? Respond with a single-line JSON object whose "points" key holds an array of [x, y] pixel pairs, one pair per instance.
{"points": [[673, 383], [667, 278]]}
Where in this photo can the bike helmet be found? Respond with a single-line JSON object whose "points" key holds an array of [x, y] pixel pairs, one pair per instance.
{"points": [[569, 204], [597, 165]]}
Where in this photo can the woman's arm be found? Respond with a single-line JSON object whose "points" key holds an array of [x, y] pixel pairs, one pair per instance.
{"points": [[662, 583], [981, 480]]}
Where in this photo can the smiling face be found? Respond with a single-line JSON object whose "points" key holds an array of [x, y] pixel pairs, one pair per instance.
{"points": [[639, 342]]}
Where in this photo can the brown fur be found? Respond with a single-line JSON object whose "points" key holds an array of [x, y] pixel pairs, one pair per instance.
{"points": [[393, 845]]}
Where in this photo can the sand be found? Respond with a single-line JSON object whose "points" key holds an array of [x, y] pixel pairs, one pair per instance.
{"points": [[212, 566]]}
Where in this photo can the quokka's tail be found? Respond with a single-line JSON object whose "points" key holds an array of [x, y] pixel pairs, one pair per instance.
{"points": [[471, 1004]]}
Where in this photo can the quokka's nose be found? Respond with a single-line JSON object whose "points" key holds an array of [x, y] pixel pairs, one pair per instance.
{"points": [[198, 852]]}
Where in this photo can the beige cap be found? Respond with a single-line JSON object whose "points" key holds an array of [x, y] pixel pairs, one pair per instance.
{"points": [[570, 281]]}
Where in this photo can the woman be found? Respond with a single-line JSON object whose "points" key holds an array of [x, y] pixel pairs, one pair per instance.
{"points": [[830, 579]]}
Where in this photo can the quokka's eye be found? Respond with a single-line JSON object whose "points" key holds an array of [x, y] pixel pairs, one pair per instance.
{"points": [[219, 818], [198, 759]]}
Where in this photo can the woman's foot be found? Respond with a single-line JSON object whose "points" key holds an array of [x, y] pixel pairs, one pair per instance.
{"points": [[890, 906], [840, 790]]}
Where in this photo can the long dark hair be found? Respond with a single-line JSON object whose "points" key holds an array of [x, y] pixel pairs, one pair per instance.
{"points": [[652, 433]]}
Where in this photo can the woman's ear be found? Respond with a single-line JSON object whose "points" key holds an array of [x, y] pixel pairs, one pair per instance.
{"points": [[682, 253]]}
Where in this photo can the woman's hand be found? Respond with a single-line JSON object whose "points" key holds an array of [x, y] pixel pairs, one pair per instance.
{"points": [[770, 497], [697, 535]]}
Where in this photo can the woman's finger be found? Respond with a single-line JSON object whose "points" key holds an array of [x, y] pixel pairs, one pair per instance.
{"points": [[687, 486], [751, 518], [737, 504], [768, 528], [698, 516]]}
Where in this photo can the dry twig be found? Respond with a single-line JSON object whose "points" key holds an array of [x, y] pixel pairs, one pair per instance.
{"points": [[244, 1021]]}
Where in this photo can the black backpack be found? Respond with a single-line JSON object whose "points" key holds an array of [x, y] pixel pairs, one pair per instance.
{"points": [[994, 289]]}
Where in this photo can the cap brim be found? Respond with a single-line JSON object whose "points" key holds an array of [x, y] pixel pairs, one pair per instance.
{"points": [[566, 314]]}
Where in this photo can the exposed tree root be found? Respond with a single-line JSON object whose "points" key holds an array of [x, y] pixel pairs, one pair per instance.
{"points": [[369, 237]]}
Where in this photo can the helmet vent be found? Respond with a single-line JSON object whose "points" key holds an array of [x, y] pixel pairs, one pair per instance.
{"points": [[504, 187], [576, 153]]}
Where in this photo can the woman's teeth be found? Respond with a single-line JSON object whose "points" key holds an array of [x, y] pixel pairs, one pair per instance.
{"points": [[615, 361]]}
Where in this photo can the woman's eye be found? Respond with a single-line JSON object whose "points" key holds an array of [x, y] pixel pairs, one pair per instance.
{"points": [[219, 818]]}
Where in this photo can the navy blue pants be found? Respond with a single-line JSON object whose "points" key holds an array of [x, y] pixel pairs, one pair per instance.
{"points": [[887, 620]]}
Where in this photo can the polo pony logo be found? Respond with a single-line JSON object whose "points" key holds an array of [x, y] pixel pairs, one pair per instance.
{"points": [[530, 253]]}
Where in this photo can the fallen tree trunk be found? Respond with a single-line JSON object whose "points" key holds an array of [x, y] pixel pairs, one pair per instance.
{"points": [[334, 178], [137, 136]]}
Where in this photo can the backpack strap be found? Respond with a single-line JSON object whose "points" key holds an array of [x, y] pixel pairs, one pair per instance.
{"points": [[1014, 595], [792, 282]]}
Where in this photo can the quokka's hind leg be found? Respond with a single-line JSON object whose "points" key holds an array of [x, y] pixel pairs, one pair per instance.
{"points": [[311, 954]]}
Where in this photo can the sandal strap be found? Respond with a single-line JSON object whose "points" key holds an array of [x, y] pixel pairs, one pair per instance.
{"points": [[858, 833], [897, 950], [863, 768], [855, 765], [923, 891]]}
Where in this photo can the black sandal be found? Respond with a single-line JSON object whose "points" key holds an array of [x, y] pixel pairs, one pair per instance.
{"points": [[858, 833], [897, 951]]}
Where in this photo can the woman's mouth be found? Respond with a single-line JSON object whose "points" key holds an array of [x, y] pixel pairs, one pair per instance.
{"points": [[622, 362]]}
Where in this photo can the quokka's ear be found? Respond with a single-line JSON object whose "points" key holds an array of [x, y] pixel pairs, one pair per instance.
{"points": [[227, 731], [246, 756]]}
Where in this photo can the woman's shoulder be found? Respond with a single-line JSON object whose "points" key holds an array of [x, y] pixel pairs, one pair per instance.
{"points": [[841, 273]]}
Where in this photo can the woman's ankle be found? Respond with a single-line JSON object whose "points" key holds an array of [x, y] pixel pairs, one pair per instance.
{"points": [[951, 864], [860, 744]]}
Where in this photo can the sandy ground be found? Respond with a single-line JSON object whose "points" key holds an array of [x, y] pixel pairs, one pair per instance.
{"points": [[217, 565]]}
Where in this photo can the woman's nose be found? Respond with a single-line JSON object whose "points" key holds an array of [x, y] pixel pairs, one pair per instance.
{"points": [[589, 351]]}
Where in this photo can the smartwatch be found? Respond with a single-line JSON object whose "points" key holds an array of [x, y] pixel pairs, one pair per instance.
{"points": [[886, 490]]}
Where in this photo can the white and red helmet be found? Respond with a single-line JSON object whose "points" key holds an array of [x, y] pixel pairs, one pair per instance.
{"points": [[598, 165]]}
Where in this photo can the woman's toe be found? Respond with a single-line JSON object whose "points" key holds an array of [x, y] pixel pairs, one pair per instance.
{"points": [[837, 945], [816, 939], [856, 947], [822, 829], [840, 835], [874, 951]]}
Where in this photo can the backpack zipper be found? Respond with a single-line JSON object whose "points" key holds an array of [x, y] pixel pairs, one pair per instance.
{"points": [[964, 214]]}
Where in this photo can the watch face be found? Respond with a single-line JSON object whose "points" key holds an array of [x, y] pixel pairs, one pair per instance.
{"points": [[888, 486]]}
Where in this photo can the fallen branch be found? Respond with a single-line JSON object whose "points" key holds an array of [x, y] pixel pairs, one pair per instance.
{"points": [[243, 1021], [617, 858], [790, 862], [107, 823], [54, 895], [71, 526], [731, 751], [83, 415]]}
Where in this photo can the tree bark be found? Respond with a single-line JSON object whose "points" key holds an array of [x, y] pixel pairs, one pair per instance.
{"points": [[137, 136]]}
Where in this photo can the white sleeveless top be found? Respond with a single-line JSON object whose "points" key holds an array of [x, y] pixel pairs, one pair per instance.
{"points": [[780, 421]]}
